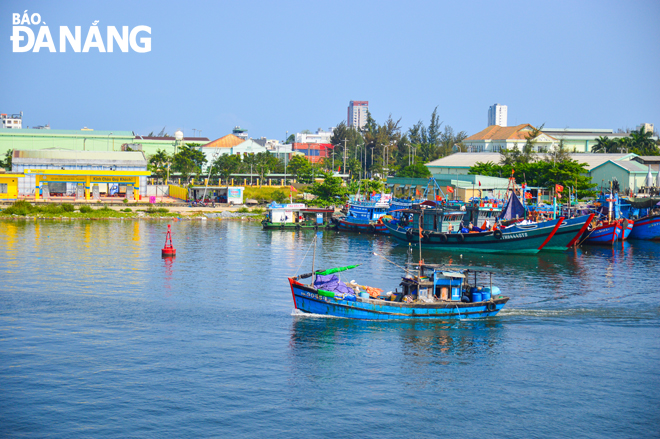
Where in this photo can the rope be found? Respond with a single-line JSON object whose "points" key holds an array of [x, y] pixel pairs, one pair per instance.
{"points": [[306, 253], [381, 256]]}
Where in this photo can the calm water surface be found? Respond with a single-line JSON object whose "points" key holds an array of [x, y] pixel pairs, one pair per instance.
{"points": [[100, 337]]}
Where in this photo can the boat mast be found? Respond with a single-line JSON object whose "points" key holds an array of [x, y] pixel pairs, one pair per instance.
{"points": [[313, 259]]}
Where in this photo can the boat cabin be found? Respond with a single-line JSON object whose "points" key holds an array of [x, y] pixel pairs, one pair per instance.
{"points": [[297, 214], [443, 283]]}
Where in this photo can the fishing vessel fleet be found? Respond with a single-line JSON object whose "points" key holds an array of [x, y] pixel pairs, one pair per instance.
{"points": [[428, 290]]}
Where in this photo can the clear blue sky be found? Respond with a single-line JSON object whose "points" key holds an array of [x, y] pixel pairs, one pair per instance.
{"points": [[277, 66]]}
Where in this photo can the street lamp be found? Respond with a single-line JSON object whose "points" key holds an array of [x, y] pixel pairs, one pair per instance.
{"points": [[107, 142], [84, 141]]}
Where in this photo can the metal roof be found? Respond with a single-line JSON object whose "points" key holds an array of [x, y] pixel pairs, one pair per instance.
{"points": [[55, 133], [469, 159], [66, 156]]}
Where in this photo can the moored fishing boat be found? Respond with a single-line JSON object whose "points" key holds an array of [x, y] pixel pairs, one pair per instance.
{"points": [[434, 292], [296, 216], [364, 216], [606, 232]]}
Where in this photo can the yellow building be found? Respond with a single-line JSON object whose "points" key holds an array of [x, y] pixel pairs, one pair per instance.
{"points": [[9, 186], [86, 179]]}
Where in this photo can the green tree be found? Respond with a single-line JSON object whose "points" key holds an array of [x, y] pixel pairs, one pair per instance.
{"points": [[290, 139], [188, 161], [417, 170], [301, 168], [265, 163], [227, 164], [330, 191], [604, 144], [7, 162], [641, 142], [159, 164]]}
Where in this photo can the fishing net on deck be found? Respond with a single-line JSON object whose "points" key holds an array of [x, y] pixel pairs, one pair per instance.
{"points": [[332, 283]]}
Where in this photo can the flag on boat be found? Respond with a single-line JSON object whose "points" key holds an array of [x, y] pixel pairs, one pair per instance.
{"points": [[559, 188], [528, 195], [480, 184], [450, 189], [293, 189], [421, 216], [336, 270], [438, 198]]}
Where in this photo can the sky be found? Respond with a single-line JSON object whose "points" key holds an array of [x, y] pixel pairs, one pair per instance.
{"points": [[285, 66]]}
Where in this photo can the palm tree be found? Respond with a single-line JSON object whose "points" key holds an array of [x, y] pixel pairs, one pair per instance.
{"points": [[604, 144], [642, 142]]}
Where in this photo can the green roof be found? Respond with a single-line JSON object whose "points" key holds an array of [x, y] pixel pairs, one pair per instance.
{"points": [[64, 133]]}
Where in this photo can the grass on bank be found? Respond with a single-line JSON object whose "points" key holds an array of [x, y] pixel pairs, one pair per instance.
{"points": [[266, 194], [25, 208]]}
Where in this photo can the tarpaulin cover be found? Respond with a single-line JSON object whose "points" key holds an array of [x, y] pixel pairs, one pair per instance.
{"points": [[332, 283], [513, 209], [644, 203], [337, 270]]}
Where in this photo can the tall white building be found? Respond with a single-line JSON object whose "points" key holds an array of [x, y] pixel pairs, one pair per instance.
{"points": [[357, 113], [497, 115], [12, 120]]}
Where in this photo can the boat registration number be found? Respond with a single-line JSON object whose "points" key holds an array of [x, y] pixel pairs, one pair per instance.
{"points": [[313, 296], [516, 235]]}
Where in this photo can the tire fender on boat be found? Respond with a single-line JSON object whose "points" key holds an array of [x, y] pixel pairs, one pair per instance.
{"points": [[460, 237], [409, 234], [442, 237], [490, 306], [426, 236], [372, 229], [497, 234]]}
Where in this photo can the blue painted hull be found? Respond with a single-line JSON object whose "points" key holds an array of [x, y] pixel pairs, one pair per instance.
{"points": [[605, 234], [647, 228], [307, 300], [363, 227], [628, 230]]}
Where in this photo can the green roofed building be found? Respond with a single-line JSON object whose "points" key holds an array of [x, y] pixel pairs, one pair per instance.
{"points": [[89, 140]]}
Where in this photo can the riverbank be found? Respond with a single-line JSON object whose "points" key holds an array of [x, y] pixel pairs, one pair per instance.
{"points": [[26, 210]]}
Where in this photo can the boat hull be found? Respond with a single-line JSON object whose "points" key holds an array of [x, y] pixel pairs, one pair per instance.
{"points": [[605, 234], [294, 226], [307, 300], [370, 227], [647, 228], [511, 240], [568, 233]]}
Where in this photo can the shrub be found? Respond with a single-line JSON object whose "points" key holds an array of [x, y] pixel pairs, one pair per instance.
{"points": [[243, 210], [279, 196], [20, 207], [67, 207], [125, 201], [128, 209], [85, 209], [104, 209]]}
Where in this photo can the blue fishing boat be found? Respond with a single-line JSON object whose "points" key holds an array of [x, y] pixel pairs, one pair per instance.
{"points": [[646, 214], [431, 292], [364, 216]]}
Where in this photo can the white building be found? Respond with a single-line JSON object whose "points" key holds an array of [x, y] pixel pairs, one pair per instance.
{"points": [[497, 115], [648, 127], [496, 138], [240, 132], [14, 121], [357, 113], [319, 137]]}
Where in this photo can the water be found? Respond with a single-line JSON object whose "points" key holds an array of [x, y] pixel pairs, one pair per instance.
{"points": [[100, 337]]}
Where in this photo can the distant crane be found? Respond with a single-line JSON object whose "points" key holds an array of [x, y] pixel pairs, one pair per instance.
{"points": [[162, 132]]}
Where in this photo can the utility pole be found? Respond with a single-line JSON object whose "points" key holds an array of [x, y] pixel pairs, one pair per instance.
{"points": [[345, 140]]}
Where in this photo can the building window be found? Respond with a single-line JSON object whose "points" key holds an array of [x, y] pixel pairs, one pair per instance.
{"points": [[3, 188]]}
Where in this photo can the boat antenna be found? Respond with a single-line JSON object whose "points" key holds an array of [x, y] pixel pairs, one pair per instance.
{"points": [[421, 217]]}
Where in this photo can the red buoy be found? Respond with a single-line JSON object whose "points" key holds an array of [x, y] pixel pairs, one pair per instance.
{"points": [[168, 250]]}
